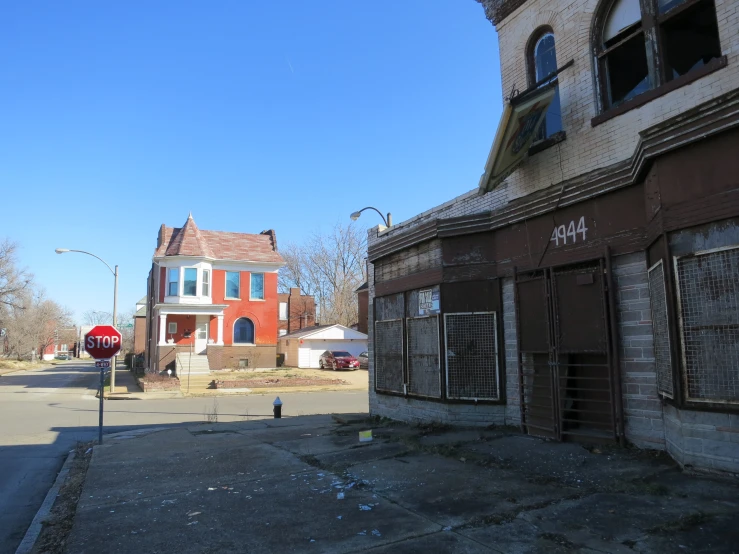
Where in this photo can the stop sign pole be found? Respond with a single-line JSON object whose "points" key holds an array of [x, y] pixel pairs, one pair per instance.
{"points": [[102, 343]]}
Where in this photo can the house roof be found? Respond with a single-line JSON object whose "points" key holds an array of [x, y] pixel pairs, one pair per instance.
{"points": [[308, 332], [141, 312], [189, 240], [363, 286]]}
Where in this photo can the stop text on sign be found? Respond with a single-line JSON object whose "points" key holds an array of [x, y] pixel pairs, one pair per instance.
{"points": [[102, 342], [569, 234]]}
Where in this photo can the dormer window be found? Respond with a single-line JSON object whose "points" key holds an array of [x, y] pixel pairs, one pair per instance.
{"points": [[173, 281], [645, 44]]}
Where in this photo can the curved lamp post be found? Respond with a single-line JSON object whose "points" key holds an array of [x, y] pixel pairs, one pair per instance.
{"points": [[115, 303], [388, 222]]}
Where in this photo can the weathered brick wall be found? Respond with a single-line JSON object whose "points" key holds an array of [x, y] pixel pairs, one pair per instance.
{"points": [[419, 257], [227, 357], [642, 406], [513, 392], [703, 439]]}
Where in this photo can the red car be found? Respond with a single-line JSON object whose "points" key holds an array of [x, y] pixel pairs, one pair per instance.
{"points": [[338, 359]]}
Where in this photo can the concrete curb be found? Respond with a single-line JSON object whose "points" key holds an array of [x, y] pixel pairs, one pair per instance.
{"points": [[34, 530]]}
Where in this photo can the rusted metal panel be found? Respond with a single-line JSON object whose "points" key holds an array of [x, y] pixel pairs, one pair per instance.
{"points": [[699, 171], [424, 367], [472, 296], [566, 365], [580, 322], [389, 307], [465, 250], [389, 349], [533, 314], [574, 233], [409, 282]]}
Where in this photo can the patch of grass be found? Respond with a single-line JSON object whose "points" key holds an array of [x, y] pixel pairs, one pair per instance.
{"points": [[58, 525]]}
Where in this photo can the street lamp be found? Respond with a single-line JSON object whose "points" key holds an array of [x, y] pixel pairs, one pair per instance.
{"points": [[388, 222], [115, 304]]}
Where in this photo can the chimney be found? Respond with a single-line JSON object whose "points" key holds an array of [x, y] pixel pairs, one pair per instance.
{"points": [[160, 236], [295, 291]]}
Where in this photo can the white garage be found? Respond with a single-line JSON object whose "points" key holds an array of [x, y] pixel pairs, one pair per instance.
{"points": [[303, 348]]}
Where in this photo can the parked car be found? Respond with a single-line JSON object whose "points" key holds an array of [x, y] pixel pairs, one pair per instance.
{"points": [[338, 359], [363, 360]]}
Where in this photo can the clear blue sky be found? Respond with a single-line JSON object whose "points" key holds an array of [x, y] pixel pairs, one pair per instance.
{"points": [[120, 116]]}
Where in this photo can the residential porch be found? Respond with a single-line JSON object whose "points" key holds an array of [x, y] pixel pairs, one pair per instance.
{"points": [[184, 335]]}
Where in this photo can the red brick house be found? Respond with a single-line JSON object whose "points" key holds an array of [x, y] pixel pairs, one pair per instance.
{"points": [[296, 311], [212, 300]]}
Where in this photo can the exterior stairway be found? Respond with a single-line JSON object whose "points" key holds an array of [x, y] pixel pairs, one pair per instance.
{"points": [[195, 364]]}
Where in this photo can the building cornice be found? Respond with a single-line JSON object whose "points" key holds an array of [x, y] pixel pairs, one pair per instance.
{"points": [[497, 10], [706, 120]]}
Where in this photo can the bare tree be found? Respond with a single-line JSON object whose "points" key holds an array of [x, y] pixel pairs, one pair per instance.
{"points": [[329, 267], [125, 325], [33, 324], [94, 317], [14, 281]]}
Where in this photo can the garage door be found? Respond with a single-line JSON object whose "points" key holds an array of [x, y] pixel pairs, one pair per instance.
{"points": [[319, 347]]}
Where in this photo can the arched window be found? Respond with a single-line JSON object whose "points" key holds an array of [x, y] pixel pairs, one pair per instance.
{"points": [[543, 62], [637, 51], [243, 331]]}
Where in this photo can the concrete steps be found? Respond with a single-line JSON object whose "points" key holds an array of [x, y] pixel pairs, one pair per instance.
{"points": [[195, 364]]}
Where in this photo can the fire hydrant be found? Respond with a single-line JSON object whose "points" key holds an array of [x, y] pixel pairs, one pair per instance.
{"points": [[277, 407]]}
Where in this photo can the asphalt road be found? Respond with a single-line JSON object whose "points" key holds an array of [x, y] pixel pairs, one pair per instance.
{"points": [[44, 413]]}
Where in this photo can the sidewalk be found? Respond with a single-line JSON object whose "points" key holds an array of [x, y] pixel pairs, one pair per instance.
{"points": [[306, 484]]}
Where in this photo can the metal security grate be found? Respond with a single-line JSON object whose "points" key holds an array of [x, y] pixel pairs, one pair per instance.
{"points": [[471, 356], [708, 289], [660, 329], [389, 355], [424, 372]]}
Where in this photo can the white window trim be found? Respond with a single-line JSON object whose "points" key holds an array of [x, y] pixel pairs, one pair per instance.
{"points": [[171, 325], [251, 298], [179, 281], [279, 311], [225, 289], [203, 272]]}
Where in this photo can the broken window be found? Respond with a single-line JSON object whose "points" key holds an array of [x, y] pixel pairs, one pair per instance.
{"points": [[544, 58], [638, 51]]}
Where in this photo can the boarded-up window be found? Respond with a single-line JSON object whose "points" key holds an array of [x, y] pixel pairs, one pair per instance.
{"points": [[471, 356], [660, 329], [708, 290], [389, 355], [424, 376]]}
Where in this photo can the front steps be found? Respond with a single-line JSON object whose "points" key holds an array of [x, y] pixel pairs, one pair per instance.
{"points": [[192, 364]]}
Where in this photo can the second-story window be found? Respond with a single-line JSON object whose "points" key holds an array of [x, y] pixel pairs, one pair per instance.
{"points": [[283, 311], [232, 284], [645, 44], [257, 286], [544, 58], [206, 282], [190, 287], [173, 281]]}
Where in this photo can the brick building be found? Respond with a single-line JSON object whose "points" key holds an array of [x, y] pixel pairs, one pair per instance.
{"points": [[589, 290], [296, 311], [212, 300]]}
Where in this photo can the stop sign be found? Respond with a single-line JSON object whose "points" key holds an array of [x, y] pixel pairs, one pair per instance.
{"points": [[103, 341]]}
